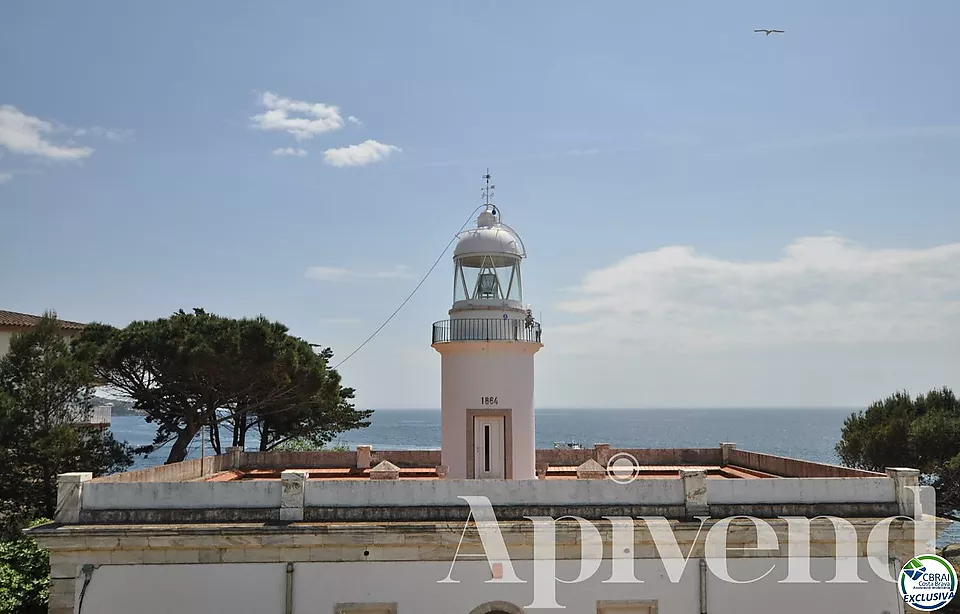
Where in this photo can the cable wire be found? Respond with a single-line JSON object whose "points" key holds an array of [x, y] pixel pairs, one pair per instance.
{"points": [[387, 321]]}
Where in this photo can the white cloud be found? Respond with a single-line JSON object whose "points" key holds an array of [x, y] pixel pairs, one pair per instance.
{"points": [[5, 176], [823, 290], [111, 134], [326, 273], [24, 134], [354, 120], [337, 274], [365, 153], [290, 151], [303, 120]]}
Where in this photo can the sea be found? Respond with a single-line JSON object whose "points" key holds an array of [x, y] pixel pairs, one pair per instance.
{"points": [[808, 434]]}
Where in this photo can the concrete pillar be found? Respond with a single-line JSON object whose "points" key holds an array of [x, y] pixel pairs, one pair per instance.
{"points": [[591, 470], [906, 483], [725, 449], [293, 484], [601, 453], [385, 471], [695, 491], [63, 594], [234, 454], [69, 496], [364, 454]]}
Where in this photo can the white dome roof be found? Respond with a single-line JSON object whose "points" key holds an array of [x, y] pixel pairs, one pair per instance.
{"points": [[489, 238]]}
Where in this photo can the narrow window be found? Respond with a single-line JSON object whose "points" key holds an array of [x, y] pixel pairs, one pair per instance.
{"points": [[486, 447]]}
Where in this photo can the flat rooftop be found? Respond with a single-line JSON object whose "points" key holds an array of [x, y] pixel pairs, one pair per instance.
{"points": [[724, 462], [559, 472], [367, 485]]}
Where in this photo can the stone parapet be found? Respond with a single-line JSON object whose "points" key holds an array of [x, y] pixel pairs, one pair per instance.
{"points": [[907, 488], [70, 497], [72, 547], [694, 492], [291, 499]]}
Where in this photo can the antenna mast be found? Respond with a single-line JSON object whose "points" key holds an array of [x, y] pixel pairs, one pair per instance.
{"points": [[487, 192]]}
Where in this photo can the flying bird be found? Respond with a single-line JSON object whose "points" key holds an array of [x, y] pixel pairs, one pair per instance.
{"points": [[769, 32]]}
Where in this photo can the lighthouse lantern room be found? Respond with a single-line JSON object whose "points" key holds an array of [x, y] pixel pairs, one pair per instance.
{"points": [[487, 349]]}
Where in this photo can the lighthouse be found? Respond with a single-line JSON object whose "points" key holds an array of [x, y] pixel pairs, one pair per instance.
{"points": [[487, 348]]}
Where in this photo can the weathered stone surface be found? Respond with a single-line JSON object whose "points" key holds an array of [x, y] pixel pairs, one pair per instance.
{"points": [[425, 542], [126, 557], [279, 540], [694, 491], [325, 554], [385, 471], [364, 455], [69, 487], [601, 453], [67, 569], [178, 516], [950, 551], [261, 555], [421, 539], [906, 484], [591, 470], [291, 499]]}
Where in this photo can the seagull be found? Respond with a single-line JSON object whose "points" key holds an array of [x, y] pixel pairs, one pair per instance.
{"points": [[769, 32]]}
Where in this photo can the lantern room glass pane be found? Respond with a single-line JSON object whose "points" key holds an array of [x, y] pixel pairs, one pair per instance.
{"points": [[488, 283]]}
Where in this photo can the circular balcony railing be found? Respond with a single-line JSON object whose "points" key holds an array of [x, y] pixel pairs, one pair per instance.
{"points": [[486, 329]]}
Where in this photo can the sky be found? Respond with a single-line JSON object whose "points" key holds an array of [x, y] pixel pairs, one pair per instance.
{"points": [[713, 217]]}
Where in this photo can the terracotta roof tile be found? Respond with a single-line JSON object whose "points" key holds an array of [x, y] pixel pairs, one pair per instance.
{"points": [[12, 318]]}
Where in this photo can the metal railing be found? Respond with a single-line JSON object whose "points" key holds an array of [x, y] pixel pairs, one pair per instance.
{"points": [[485, 329]]}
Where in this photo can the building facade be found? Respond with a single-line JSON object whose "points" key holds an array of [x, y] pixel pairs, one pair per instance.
{"points": [[488, 524], [379, 532]]}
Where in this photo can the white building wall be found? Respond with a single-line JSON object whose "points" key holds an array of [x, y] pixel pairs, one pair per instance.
{"points": [[386, 493], [473, 370], [180, 495], [5, 342], [6, 336], [210, 589], [801, 490], [415, 587]]}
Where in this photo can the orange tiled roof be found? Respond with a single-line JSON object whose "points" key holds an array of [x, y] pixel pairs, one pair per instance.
{"points": [[12, 318]]}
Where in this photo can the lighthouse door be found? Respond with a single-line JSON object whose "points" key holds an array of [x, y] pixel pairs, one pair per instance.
{"points": [[488, 447]]}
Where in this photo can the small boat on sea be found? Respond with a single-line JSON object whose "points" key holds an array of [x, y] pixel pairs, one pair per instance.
{"points": [[566, 445]]}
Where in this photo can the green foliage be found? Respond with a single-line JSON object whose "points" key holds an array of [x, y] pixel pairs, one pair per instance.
{"points": [[300, 444], [182, 369], [922, 432], [24, 576], [44, 389]]}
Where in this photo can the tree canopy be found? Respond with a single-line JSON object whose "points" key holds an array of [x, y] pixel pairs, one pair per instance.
{"points": [[197, 369], [922, 432], [44, 390]]}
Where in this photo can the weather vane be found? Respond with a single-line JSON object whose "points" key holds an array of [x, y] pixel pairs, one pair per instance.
{"points": [[488, 190]]}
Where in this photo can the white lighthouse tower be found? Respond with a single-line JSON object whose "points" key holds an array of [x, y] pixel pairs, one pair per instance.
{"points": [[487, 351]]}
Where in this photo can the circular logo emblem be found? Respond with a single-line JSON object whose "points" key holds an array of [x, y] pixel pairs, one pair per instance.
{"points": [[927, 582], [623, 468]]}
